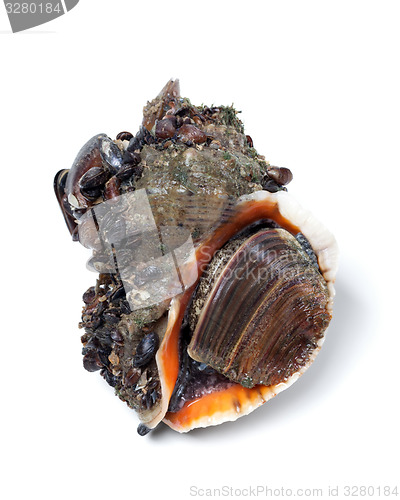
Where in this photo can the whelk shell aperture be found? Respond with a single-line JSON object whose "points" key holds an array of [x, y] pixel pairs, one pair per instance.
{"points": [[215, 287], [271, 302]]}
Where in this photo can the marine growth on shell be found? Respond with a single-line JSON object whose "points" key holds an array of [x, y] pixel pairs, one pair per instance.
{"points": [[215, 287]]}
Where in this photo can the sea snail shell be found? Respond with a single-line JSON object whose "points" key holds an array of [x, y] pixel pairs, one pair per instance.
{"points": [[259, 281]]}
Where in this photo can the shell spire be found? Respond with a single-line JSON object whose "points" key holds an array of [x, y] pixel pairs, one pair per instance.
{"points": [[166, 99]]}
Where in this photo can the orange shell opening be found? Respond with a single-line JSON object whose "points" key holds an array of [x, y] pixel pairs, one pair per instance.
{"points": [[235, 401], [218, 407]]}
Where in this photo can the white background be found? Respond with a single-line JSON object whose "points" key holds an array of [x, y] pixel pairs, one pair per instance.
{"points": [[318, 83]]}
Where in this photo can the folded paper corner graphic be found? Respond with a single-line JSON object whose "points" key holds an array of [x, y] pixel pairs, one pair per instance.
{"points": [[26, 15], [155, 262]]}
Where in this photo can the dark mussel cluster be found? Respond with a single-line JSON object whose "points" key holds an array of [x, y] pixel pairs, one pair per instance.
{"points": [[135, 376], [104, 169], [104, 305]]}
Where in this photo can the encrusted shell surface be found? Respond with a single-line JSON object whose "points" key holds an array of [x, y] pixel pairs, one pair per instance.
{"points": [[226, 342]]}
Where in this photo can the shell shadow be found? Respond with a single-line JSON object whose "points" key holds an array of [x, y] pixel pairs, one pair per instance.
{"points": [[347, 340]]}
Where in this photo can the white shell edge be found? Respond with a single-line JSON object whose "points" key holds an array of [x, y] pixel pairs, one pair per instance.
{"points": [[268, 393], [321, 239]]}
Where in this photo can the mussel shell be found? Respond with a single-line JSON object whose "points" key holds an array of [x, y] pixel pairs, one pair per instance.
{"points": [[60, 180], [280, 175], [166, 128], [191, 134], [111, 154], [94, 178], [265, 313], [88, 157], [146, 349], [124, 136]]}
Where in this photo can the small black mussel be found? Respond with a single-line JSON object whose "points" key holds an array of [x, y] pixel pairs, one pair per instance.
{"points": [[146, 349]]}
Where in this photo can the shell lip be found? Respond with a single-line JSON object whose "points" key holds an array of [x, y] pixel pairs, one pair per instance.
{"points": [[251, 209], [229, 405]]}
